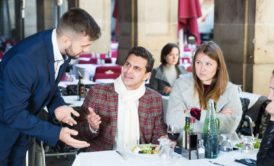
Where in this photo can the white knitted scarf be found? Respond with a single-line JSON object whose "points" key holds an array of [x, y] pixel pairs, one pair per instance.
{"points": [[128, 129]]}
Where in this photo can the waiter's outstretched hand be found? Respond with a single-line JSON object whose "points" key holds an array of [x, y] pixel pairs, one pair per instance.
{"points": [[65, 136], [64, 114]]}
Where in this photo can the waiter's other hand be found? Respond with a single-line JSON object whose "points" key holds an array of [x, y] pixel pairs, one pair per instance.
{"points": [[65, 136], [63, 114]]}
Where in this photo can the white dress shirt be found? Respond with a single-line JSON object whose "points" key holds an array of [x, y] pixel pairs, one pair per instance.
{"points": [[58, 58]]}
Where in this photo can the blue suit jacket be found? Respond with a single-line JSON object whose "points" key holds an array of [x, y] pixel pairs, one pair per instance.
{"points": [[26, 81]]}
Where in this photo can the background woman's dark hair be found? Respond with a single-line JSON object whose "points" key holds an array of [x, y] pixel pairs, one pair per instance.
{"points": [[166, 50], [144, 53]]}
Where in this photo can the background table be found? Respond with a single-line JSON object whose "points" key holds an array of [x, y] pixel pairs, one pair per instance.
{"points": [[73, 101]]}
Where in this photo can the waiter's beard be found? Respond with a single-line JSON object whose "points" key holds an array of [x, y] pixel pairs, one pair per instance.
{"points": [[67, 52]]}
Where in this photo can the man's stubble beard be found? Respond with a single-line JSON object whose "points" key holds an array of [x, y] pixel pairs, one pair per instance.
{"points": [[69, 55]]}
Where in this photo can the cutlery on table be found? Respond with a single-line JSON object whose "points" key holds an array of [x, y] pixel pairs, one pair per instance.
{"points": [[121, 154], [215, 163]]}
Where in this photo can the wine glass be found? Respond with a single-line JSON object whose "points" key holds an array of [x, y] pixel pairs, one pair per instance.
{"points": [[247, 146], [226, 144], [173, 132]]}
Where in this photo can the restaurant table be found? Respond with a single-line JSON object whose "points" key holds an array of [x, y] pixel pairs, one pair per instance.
{"points": [[64, 84], [104, 81], [73, 101], [107, 158]]}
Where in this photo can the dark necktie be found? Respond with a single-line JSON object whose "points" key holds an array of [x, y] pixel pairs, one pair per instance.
{"points": [[62, 70]]}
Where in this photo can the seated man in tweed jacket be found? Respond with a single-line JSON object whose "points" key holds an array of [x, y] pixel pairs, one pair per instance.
{"points": [[124, 113]]}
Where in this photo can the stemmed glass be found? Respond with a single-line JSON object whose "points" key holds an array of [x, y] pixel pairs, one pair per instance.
{"points": [[173, 132]]}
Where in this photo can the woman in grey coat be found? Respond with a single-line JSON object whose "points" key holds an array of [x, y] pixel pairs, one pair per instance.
{"points": [[163, 77], [209, 80]]}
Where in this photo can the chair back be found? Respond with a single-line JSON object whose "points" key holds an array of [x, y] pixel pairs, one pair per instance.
{"points": [[186, 60], [189, 69], [90, 61], [85, 56], [114, 53], [108, 60], [254, 119], [107, 72]]}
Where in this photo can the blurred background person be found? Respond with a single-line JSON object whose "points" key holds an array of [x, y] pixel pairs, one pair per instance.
{"points": [[265, 156], [209, 80], [163, 77]]}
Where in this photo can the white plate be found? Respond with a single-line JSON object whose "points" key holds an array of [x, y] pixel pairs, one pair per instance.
{"points": [[130, 152]]}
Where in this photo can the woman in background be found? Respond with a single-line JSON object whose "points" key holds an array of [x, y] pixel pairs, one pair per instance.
{"points": [[209, 80], [163, 77]]}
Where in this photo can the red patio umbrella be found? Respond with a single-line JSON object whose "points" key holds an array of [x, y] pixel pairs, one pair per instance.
{"points": [[188, 12]]}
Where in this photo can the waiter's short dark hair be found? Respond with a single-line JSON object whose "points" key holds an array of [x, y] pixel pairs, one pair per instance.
{"points": [[79, 21]]}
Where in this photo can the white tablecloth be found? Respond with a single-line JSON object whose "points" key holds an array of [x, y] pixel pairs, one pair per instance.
{"points": [[111, 158], [73, 101]]}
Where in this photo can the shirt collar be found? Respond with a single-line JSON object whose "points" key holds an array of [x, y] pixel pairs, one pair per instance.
{"points": [[56, 52]]}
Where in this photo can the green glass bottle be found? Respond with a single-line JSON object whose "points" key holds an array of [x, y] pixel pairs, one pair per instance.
{"points": [[81, 88], [211, 131], [185, 133]]}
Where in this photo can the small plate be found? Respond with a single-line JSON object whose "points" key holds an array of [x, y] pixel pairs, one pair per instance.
{"points": [[145, 150]]}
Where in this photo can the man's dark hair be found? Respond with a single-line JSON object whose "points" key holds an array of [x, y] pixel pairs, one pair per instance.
{"points": [[79, 21], [144, 53]]}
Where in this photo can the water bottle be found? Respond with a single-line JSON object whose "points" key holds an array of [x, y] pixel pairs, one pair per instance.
{"points": [[201, 149], [211, 132]]}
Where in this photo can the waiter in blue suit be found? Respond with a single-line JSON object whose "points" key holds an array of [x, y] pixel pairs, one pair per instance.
{"points": [[29, 74]]}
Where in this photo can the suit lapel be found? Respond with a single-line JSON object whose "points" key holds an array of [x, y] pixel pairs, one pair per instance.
{"points": [[50, 57], [62, 70], [55, 83], [51, 73]]}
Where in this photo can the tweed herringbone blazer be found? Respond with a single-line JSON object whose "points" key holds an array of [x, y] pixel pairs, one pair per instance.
{"points": [[104, 100]]}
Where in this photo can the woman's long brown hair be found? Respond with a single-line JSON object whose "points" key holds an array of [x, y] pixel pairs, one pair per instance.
{"points": [[220, 80]]}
